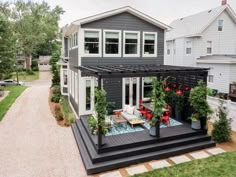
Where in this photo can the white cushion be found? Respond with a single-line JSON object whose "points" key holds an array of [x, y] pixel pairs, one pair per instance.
{"points": [[125, 108], [130, 110]]}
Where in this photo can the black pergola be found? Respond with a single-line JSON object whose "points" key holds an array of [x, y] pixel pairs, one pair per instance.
{"points": [[184, 75]]}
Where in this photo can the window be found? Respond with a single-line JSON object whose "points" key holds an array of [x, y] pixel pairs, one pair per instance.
{"points": [[209, 47], [76, 88], [112, 43], [70, 85], [92, 42], [147, 87], [168, 49], [65, 77], [149, 44], [131, 44], [210, 78], [188, 47], [220, 25], [73, 84], [88, 95]]}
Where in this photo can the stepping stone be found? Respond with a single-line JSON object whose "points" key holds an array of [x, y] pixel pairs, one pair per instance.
{"points": [[180, 159], [215, 151], [136, 170], [199, 155], [159, 164], [111, 174]]}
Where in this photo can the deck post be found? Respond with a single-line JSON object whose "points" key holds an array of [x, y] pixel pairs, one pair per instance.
{"points": [[99, 125]]}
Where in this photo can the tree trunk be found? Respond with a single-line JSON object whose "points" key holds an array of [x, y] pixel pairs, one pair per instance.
{"points": [[28, 59]]}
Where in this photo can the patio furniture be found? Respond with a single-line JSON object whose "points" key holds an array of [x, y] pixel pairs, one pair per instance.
{"points": [[137, 121], [119, 120], [149, 106]]}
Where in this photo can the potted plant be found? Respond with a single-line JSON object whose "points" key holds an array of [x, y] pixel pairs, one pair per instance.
{"points": [[1, 91], [158, 100], [198, 100]]}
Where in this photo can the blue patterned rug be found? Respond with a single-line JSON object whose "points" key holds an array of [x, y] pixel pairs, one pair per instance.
{"points": [[126, 128]]}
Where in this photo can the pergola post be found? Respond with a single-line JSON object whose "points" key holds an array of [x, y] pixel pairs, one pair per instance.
{"points": [[99, 122]]}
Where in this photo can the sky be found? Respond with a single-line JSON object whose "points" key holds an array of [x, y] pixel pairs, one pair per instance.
{"points": [[163, 10]]}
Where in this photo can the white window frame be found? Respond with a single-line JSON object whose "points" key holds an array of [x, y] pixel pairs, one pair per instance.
{"points": [[209, 42], [212, 77], [219, 25], [76, 87], [138, 44], [104, 44], [168, 48], [65, 70], [70, 85], [99, 44], [143, 98], [155, 45], [186, 46], [73, 84]]}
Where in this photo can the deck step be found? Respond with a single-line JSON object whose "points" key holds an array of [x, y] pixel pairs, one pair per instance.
{"points": [[96, 158], [93, 168]]}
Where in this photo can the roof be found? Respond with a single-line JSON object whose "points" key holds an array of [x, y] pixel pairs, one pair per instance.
{"points": [[118, 71], [44, 59], [218, 59], [118, 11], [194, 25]]}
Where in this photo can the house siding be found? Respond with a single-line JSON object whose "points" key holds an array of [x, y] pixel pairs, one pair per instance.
{"points": [[73, 57], [126, 21]]}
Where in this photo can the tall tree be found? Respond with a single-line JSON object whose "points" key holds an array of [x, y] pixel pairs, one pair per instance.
{"points": [[34, 24], [7, 47]]}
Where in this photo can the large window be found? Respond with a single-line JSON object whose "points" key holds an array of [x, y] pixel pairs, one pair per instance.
{"points": [[131, 44], [147, 87], [220, 25], [209, 47], [112, 43], [149, 44], [188, 47], [92, 42]]}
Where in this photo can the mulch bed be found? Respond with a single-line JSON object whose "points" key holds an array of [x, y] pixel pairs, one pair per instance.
{"points": [[52, 106]]}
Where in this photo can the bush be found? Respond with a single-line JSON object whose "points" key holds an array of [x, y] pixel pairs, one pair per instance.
{"points": [[34, 65], [29, 72], [58, 113], [71, 118], [222, 128], [56, 77], [55, 98], [56, 90]]}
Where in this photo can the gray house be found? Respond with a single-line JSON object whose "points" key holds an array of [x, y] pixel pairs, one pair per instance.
{"points": [[117, 37]]}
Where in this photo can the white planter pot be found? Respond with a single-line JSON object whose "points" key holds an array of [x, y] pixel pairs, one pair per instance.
{"points": [[196, 125]]}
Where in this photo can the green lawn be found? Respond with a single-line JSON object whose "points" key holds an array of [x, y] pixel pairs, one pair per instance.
{"points": [[5, 104], [23, 76], [223, 165]]}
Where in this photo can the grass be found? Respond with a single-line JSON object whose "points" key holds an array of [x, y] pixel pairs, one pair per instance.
{"points": [[23, 76], [222, 165], [5, 104]]}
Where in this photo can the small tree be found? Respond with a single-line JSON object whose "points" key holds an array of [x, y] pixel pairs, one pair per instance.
{"points": [[222, 127]]}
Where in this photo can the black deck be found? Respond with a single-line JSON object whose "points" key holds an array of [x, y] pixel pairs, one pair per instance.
{"points": [[131, 148]]}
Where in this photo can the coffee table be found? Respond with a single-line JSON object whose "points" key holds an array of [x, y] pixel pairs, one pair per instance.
{"points": [[119, 120], [137, 121]]}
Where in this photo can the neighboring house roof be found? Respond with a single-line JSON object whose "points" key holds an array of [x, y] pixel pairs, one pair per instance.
{"points": [[218, 59], [44, 59], [195, 25], [118, 11]]}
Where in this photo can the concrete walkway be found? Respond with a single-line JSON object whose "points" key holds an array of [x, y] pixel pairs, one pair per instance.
{"points": [[31, 142]]}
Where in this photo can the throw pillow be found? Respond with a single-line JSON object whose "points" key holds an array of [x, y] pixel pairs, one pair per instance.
{"points": [[137, 113], [125, 108], [130, 110]]}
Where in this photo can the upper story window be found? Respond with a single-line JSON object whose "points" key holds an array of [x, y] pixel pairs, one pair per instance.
{"points": [[73, 40], [220, 25], [149, 44], [92, 42], [112, 43], [209, 47], [188, 47], [131, 44]]}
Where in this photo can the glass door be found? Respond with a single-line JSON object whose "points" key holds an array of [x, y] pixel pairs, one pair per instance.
{"points": [[131, 91]]}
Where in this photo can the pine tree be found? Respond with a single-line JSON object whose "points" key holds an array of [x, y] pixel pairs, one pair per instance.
{"points": [[222, 127]]}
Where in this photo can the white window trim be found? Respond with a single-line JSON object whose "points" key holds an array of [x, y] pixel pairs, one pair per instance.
{"points": [[70, 80], [208, 47], [143, 89], [188, 47], [138, 47], [104, 44], [100, 43], [218, 25], [62, 76], [155, 45], [73, 84], [76, 87], [168, 48]]}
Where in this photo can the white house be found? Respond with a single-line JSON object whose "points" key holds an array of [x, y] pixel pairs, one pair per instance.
{"points": [[206, 39]]}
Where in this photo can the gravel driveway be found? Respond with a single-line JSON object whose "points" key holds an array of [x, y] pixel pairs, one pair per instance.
{"points": [[31, 142]]}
